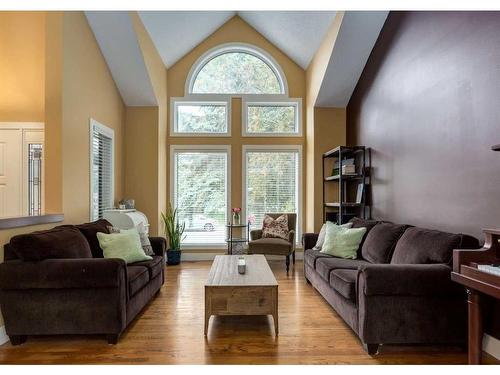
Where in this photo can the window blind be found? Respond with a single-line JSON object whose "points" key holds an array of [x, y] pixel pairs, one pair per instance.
{"points": [[102, 173], [200, 195], [271, 184]]}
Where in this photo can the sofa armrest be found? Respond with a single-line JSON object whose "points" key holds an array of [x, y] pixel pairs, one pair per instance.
{"points": [[255, 234], [159, 245], [63, 274], [407, 280], [309, 240]]}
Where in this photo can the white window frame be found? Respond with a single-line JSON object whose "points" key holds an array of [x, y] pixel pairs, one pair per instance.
{"points": [[270, 101], [199, 100], [173, 175], [222, 49], [275, 148], [108, 132]]}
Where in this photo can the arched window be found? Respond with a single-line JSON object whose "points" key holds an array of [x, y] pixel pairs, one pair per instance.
{"points": [[236, 69], [240, 70]]}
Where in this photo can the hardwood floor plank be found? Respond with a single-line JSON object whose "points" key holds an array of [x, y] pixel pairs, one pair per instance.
{"points": [[170, 331]]}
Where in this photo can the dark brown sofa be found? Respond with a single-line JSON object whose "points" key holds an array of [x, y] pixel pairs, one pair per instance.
{"points": [[57, 282], [398, 290]]}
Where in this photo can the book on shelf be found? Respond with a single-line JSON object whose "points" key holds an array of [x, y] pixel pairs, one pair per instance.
{"points": [[348, 167], [489, 268]]}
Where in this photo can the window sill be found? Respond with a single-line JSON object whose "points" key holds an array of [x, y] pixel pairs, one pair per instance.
{"points": [[25, 221]]}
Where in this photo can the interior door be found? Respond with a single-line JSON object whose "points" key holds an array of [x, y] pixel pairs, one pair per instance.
{"points": [[10, 172]]}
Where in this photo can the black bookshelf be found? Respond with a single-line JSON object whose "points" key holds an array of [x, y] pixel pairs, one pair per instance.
{"points": [[346, 205]]}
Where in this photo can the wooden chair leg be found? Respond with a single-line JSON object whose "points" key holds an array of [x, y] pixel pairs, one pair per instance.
{"points": [[287, 263]]}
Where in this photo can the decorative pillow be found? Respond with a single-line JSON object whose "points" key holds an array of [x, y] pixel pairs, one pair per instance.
{"points": [[342, 242], [275, 228], [145, 243], [126, 246], [322, 232]]}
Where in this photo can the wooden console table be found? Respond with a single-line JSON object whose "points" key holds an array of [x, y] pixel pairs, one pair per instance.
{"points": [[478, 284]]}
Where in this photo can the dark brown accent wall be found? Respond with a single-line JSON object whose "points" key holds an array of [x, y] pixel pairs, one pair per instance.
{"points": [[428, 105]]}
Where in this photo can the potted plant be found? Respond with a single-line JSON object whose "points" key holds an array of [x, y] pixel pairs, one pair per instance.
{"points": [[173, 231]]}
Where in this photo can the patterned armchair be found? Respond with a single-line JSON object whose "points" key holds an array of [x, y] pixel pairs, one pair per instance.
{"points": [[275, 246]]}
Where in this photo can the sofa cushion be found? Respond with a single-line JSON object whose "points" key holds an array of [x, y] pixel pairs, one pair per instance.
{"points": [[311, 256], [362, 223], [138, 277], [271, 246], [325, 265], [90, 230], [381, 241], [56, 243], [154, 265], [344, 282], [425, 246]]}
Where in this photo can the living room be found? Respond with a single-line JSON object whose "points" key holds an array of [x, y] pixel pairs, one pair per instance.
{"points": [[314, 186]]}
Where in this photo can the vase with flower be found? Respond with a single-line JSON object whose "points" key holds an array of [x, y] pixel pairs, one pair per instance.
{"points": [[236, 215]]}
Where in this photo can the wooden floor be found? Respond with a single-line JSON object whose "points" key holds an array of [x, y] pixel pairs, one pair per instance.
{"points": [[170, 331]]}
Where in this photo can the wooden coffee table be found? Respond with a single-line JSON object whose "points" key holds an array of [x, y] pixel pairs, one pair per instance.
{"points": [[229, 293]]}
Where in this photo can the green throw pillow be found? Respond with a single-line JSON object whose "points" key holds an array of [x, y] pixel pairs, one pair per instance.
{"points": [[126, 246], [342, 242]]}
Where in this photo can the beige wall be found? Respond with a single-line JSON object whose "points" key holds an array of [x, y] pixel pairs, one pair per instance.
{"points": [[330, 131], [22, 66], [236, 30], [88, 92], [142, 123], [79, 86], [320, 133], [141, 159]]}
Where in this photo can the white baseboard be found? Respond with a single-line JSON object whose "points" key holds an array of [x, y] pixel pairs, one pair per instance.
{"points": [[193, 257], [3, 335], [491, 346]]}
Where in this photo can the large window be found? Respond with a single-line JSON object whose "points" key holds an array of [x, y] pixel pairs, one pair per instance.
{"points": [[101, 169], [201, 117], [238, 70], [236, 73], [271, 181], [200, 192], [272, 118]]}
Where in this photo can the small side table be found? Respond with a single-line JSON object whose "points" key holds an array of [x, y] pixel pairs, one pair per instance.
{"points": [[230, 239]]}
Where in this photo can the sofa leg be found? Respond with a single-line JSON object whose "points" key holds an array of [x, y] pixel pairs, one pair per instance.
{"points": [[287, 263], [371, 349], [113, 338], [293, 258], [17, 339]]}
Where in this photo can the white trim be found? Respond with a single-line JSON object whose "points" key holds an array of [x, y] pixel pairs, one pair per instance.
{"points": [[197, 257], [108, 132], [275, 148], [25, 127], [267, 101], [3, 335], [491, 346], [205, 99], [202, 148], [235, 47]]}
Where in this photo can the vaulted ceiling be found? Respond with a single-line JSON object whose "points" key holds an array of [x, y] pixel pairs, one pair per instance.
{"points": [[296, 33]]}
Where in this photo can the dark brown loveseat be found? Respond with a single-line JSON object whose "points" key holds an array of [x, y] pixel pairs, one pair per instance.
{"points": [[398, 290], [57, 282]]}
